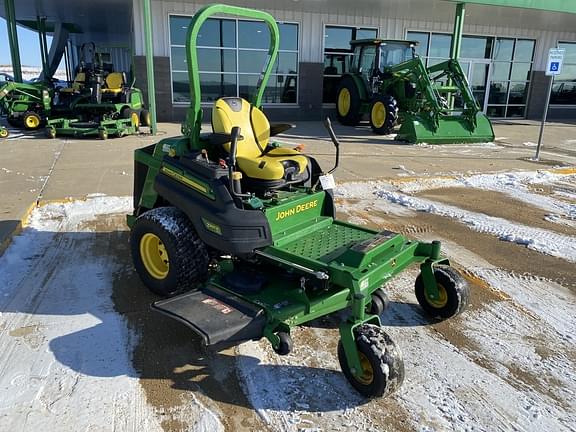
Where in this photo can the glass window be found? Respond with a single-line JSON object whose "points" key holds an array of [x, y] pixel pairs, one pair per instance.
{"points": [[230, 50], [475, 47], [564, 88], [253, 34], [215, 60], [524, 50], [569, 51], [501, 71], [216, 33], [496, 111], [422, 39], [337, 52], [498, 93], [440, 45], [515, 111], [288, 36], [338, 38], [521, 71], [503, 49], [518, 93]]}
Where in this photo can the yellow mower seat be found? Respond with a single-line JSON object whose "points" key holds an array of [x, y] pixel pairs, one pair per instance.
{"points": [[79, 82], [253, 157], [114, 83]]}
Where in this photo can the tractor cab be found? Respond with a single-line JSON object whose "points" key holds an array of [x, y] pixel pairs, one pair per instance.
{"points": [[373, 56]]}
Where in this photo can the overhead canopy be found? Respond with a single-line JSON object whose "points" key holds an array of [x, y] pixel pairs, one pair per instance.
{"points": [[101, 21], [566, 6]]}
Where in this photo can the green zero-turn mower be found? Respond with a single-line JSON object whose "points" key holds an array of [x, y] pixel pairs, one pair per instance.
{"points": [[390, 83], [105, 105], [239, 234]]}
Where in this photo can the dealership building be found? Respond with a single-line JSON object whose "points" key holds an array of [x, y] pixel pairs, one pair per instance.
{"points": [[504, 47]]}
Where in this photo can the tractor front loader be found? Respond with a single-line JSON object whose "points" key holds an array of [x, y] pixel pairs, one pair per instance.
{"points": [[392, 85]]}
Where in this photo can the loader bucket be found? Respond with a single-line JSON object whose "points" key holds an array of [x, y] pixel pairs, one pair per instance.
{"points": [[416, 129]]}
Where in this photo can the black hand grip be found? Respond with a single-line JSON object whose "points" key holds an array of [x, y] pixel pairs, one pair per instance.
{"points": [[328, 126], [234, 134]]}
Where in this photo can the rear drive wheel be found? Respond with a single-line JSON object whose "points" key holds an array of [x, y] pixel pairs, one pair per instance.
{"points": [[103, 134], [145, 118], [348, 102], [453, 293], [133, 115], [50, 132], [382, 362], [168, 254], [383, 114], [31, 120]]}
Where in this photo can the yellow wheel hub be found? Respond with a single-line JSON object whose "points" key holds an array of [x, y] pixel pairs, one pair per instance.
{"points": [[135, 119], [378, 114], [367, 372], [441, 300], [32, 122], [154, 256], [3, 133], [343, 102]]}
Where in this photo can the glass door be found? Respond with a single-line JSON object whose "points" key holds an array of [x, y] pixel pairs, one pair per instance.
{"points": [[478, 75]]}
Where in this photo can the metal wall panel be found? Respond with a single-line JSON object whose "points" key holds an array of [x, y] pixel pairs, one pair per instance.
{"points": [[393, 18]]}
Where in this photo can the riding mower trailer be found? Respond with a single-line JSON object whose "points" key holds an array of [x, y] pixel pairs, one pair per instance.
{"points": [[240, 235], [390, 83]]}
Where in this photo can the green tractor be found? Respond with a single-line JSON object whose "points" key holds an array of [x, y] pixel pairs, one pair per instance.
{"points": [[388, 82], [26, 105], [239, 235]]}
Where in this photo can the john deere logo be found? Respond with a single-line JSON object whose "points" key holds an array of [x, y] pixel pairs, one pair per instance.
{"points": [[297, 209]]}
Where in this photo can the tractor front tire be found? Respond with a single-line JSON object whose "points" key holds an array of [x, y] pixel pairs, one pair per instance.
{"points": [[383, 114], [167, 252], [31, 120], [381, 359], [453, 293], [348, 102], [4, 133]]}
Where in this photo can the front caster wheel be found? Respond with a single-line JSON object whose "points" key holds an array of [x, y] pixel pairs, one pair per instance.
{"points": [[286, 344], [379, 303], [382, 363], [453, 293]]}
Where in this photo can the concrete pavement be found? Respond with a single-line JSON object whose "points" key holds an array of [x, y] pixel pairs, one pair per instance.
{"points": [[33, 168]]}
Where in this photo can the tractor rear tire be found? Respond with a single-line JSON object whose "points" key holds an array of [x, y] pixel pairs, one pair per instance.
{"points": [[383, 114], [454, 293], [381, 360], [167, 252], [348, 102], [31, 120]]}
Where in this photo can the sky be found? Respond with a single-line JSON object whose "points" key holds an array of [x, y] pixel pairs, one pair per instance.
{"points": [[29, 46]]}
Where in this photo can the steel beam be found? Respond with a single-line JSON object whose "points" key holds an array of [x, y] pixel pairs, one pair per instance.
{"points": [[567, 6], [13, 39], [457, 32], [149, 53]]}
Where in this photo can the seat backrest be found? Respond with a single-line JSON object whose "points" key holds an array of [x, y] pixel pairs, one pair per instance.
{"points": [[79, 81], [254, 126], [115, 80]]}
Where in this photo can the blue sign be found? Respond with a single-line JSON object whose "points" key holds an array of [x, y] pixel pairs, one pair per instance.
{"points": [[554, 66]]}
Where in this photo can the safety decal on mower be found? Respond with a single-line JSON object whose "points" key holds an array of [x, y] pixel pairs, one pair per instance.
{"points": [[220, 307]]}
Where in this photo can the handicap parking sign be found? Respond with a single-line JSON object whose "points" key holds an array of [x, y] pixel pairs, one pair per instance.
{"points": [[555, 58]]}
